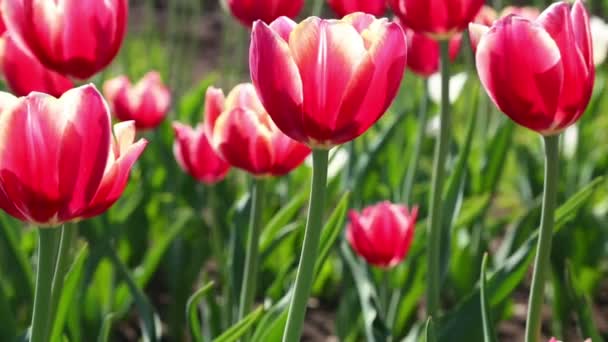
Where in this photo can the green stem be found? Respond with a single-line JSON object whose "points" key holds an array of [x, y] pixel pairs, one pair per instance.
{"points": [[49, 240], [317, 8], [64, 257], [413, 165], [543, 249], [251, 258], [304, 278], [441, 153]]}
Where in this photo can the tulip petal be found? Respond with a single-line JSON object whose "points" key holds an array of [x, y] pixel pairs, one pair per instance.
{"points": [[283, 27], [524, 83], [476, 31], [288, 154], [327, 54], [375, 83], [556, 21], [275, 75]]}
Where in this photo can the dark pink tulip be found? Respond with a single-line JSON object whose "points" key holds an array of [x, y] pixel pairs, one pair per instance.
{"points": [[382, 234], [73, 37], [527, 12], [539, 73], [248, 11], [346, 7], [195, 155], [242, 133], [59, 161], [23, 73], [147, 102], [325, 82], [440, 19]]}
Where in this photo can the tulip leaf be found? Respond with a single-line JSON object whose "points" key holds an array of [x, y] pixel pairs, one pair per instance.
{"points": [[241, 328], [462, 323], [582, 305], [452, 195], [375, 328], [497, 155], [8, 328], [73, 278], [17, 258], [273, 323], [281, 219], [489, 335], [429, 331], [106, 328], [192, 312]]}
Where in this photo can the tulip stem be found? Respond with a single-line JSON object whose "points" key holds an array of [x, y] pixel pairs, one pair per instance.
{"points": [[435, 220], [312, 235], [413, 165], [53, 247], [543, 249], [251, 257]]}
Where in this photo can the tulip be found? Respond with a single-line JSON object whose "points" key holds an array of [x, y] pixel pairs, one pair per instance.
{"points": [[325, 82], [486, 16], [24, 73], [345, 7], [526, 11], [440, 19], [243, 134], [73, 37], [147, 102], [599, 36], [59, 160], [540, 73], [382, 234], [248, 11], [195, 155]]}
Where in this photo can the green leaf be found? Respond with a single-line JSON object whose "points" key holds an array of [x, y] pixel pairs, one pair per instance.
{"points": [[451, 195], [106, 328], [8, 328], [192, 311], [331, 231], [497, 152], [281, 219], [583, 306], [462, 323], [21, 270], [73, 278], [429, 331], [489, 335], [190, 106], [241, 328], [375, 328]]}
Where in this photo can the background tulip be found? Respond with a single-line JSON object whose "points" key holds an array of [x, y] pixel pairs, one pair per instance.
{"points": [[74, 37], [59, 160], [599, 36], [24, 73], [438, 18], [382, 234], [325, 82], [345, 7], [195, 155], [248, 11], [147, 102], [539, 73], [242, 133]]}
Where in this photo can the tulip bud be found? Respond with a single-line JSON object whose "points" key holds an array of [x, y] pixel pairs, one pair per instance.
{"points": [[72, 37], [195, 155], [147, 102], [539, 73], [243, 134], [382, 234]]}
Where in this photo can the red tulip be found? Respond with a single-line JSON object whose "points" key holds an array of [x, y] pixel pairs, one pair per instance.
{"points": [[242, 133], [440, 19], [248, 11], [325, 82], [486, 16], [345, 7], [539, 73], [195, 155], [382, 234], [73, 37], [24, 73], [58, 159], [147, 102]]}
